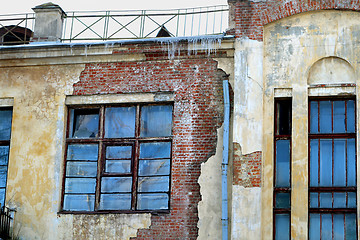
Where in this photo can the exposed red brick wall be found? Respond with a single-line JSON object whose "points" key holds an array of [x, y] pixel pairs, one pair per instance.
{"points": [[247, 16], [250, 17], [247, 168], [198, 112]]}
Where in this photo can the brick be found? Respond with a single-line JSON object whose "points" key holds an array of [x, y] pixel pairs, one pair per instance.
{"points": [[250, 17], [247, 168], [198, 112]]}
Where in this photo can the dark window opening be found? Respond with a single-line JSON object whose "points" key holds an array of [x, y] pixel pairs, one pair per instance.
{"points": [[118, 158]]}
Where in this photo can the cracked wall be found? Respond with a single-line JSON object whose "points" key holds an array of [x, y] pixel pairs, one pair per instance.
{"points": [[247, 140]]}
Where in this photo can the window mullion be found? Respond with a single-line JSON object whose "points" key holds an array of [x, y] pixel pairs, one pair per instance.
{"points": [[135, 160], [135, 174], [100, 158]]}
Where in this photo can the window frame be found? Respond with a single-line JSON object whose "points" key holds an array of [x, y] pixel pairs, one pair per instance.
{"points": [[331, 136], [280, 136], [7, 143], [103, 142]]}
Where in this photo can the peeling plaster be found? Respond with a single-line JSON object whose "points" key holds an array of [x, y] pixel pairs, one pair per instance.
{"points": [[246, 210], [209, 207], [36, 159], [331, 37], [248, 89]]}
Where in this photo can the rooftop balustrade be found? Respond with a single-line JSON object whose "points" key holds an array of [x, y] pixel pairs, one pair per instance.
{"points": [[112, 25]]}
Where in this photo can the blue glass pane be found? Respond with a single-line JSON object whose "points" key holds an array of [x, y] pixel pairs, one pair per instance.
{"points": [[351, 200], [350, 226], [117, 152], [116, 184], [326, 226], [339, 200], [314, 200], [154, 167], [153, 184], [155, 150], [2, 196], [120, 122], [115, 201], [156, 121], [339, 116], [86, 125], [87, 152], [154, 201], [339, 162], [80, 185], [314, 164], [282, 200], [314, 225], [351, 166], [118, 166], [314, 121], [325, 200], [282, 226], [339, 226], [325, 117], [4, 155], [282, 178], [350, 107], [81, 169], [5, 124], [325, 163], [84, 202], [3, 176]]}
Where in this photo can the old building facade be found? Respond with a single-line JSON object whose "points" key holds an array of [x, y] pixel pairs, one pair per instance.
{"points": [[247, 135]]}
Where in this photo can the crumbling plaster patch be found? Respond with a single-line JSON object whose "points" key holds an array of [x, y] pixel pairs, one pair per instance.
{"points": [[210, 189], [248, 91], [36, 159], [247, 134], [246, 210], [105, 226], [209, 224]]}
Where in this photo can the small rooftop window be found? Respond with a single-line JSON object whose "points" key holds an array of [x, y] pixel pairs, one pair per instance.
{"points": [[15, 35]]}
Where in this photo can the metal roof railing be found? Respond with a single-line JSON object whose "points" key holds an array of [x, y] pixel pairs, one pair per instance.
{"points": [[116, 25], [14, 28]]}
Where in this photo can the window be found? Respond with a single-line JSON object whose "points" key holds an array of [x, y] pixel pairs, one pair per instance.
{"points": [[332, 169], [282, 183], [5, 132], [118, 158]]}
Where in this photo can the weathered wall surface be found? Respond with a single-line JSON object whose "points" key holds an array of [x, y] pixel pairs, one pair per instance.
{"points": [[36, 158], [35, 162], [309, 54], [38, 134], [247, 139], [210, 189], [197, 114]]}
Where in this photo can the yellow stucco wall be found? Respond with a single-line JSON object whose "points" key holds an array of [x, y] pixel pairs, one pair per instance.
{"points": [[36, 158], [293, 47]]}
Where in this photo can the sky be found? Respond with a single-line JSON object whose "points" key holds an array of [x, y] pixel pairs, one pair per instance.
{"points": [[25, 6]]}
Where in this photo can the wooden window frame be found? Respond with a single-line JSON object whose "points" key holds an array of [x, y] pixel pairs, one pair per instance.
{"points": [[331, 136], [103, 142], [280, 136]]}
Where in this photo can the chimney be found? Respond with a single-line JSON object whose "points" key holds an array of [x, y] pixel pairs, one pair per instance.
{"points": [[48, 23]]}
